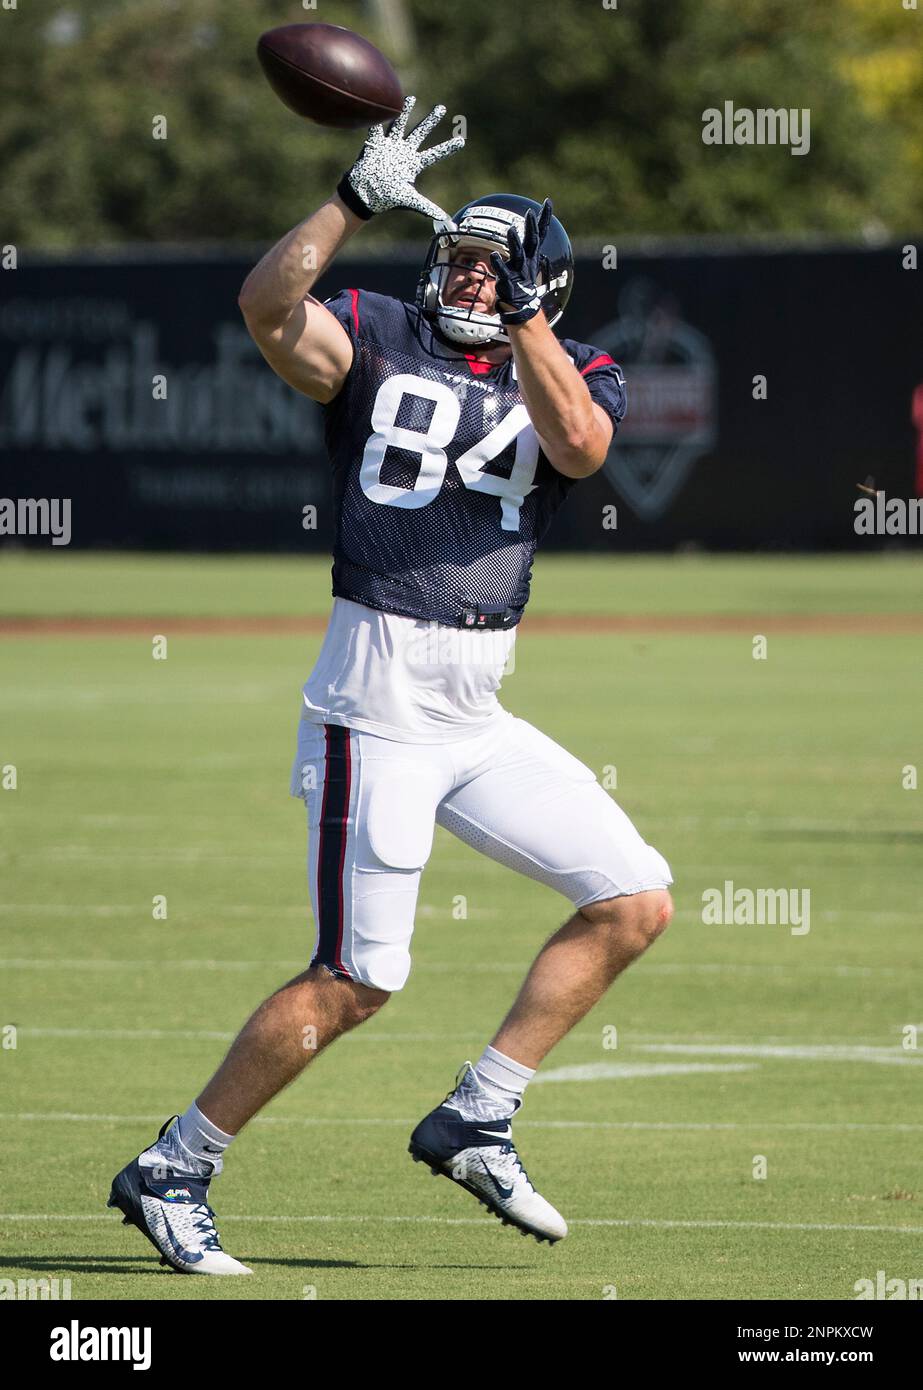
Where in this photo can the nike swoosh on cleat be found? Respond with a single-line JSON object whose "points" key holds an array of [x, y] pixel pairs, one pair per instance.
{"points": [[495, 1134], [187, 1256], [505, 1192]]}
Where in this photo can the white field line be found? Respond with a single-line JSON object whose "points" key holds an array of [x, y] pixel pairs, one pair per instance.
{"points": [[142, 911], [130, 1034], [48, 697], [311, 1121], [71, 854], [260, 909], [703, 1043], [488, 1224], [88, 963], [793, 968], [436, 967], [218, 854], [629, 1071], [208, 1035], [631, 1038], [818, 1052], [834, 914], [801, 823]]}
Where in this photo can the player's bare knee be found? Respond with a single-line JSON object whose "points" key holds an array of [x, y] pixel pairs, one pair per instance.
{"points": [[364, 1001], [371, 1000], [645, 915], [350, 1002], [663, 910], [651, 913]]}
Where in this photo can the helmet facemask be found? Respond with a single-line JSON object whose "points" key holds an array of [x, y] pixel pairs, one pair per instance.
{"points": [[461, 323], [483, 224]]}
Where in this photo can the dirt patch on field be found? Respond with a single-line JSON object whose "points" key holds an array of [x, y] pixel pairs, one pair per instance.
{"points": [[557, 624], [548, 624]]}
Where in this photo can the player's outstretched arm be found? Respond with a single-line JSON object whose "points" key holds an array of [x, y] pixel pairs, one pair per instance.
{"points": [[300, 340], [574, 432]]}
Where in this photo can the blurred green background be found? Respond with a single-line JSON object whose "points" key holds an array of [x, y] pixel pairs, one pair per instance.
{"points": [[611, 100]]}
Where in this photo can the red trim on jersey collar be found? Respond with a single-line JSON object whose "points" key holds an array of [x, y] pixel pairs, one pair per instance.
{"points": [[479, 368], [355, 299], [603, 360]]}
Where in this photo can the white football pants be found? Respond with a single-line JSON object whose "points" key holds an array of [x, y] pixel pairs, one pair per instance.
{"points": [[512, 793]]}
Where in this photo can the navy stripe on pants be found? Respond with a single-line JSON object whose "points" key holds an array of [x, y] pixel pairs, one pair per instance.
{"points": [[331, 854]]}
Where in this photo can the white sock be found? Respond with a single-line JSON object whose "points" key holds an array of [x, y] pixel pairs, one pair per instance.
{"points": [[204, 1140], [501, 1075], [493, 1089]]}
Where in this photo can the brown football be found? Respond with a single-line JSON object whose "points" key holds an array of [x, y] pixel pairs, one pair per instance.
{"points": [[330, 75]]}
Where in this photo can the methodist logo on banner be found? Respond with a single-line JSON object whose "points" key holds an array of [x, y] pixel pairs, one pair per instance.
{"points": [[87, 375], [672, 398]]}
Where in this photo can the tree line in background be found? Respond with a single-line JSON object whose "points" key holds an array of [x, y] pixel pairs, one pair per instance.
{"points": [[598, 107]]}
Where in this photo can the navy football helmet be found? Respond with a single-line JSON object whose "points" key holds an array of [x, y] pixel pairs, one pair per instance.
{"points": [[483, 224]]}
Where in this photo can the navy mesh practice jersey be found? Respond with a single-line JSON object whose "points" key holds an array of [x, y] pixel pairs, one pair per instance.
{"points": [[441, 490]]}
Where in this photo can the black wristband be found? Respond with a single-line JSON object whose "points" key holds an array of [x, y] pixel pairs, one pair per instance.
{"points": [[350, 197]]}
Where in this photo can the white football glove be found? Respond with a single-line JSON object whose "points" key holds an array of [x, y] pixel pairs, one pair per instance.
{"points": [[388, 166]]}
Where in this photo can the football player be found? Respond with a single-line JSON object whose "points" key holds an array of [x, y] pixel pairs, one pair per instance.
{"points": [[456, 425]]}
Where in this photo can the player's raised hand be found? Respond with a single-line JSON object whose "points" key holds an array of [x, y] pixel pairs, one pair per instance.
{"points": [[385, 174], [519, 275]]}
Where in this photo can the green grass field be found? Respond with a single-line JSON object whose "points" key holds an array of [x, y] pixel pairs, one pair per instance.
{"points": [[138, 777]]}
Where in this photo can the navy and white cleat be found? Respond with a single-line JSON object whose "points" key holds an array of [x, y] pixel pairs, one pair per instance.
{"points": [[479, 1155], [168, 1202]]}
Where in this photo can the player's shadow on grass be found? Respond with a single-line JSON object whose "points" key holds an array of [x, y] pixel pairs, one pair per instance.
{"points": [[357, 1264], [144, 1264], [84, 1264], [141, 1264]]}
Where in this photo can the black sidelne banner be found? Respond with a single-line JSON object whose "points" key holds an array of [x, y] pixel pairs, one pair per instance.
{"points": [[762, 387]]}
